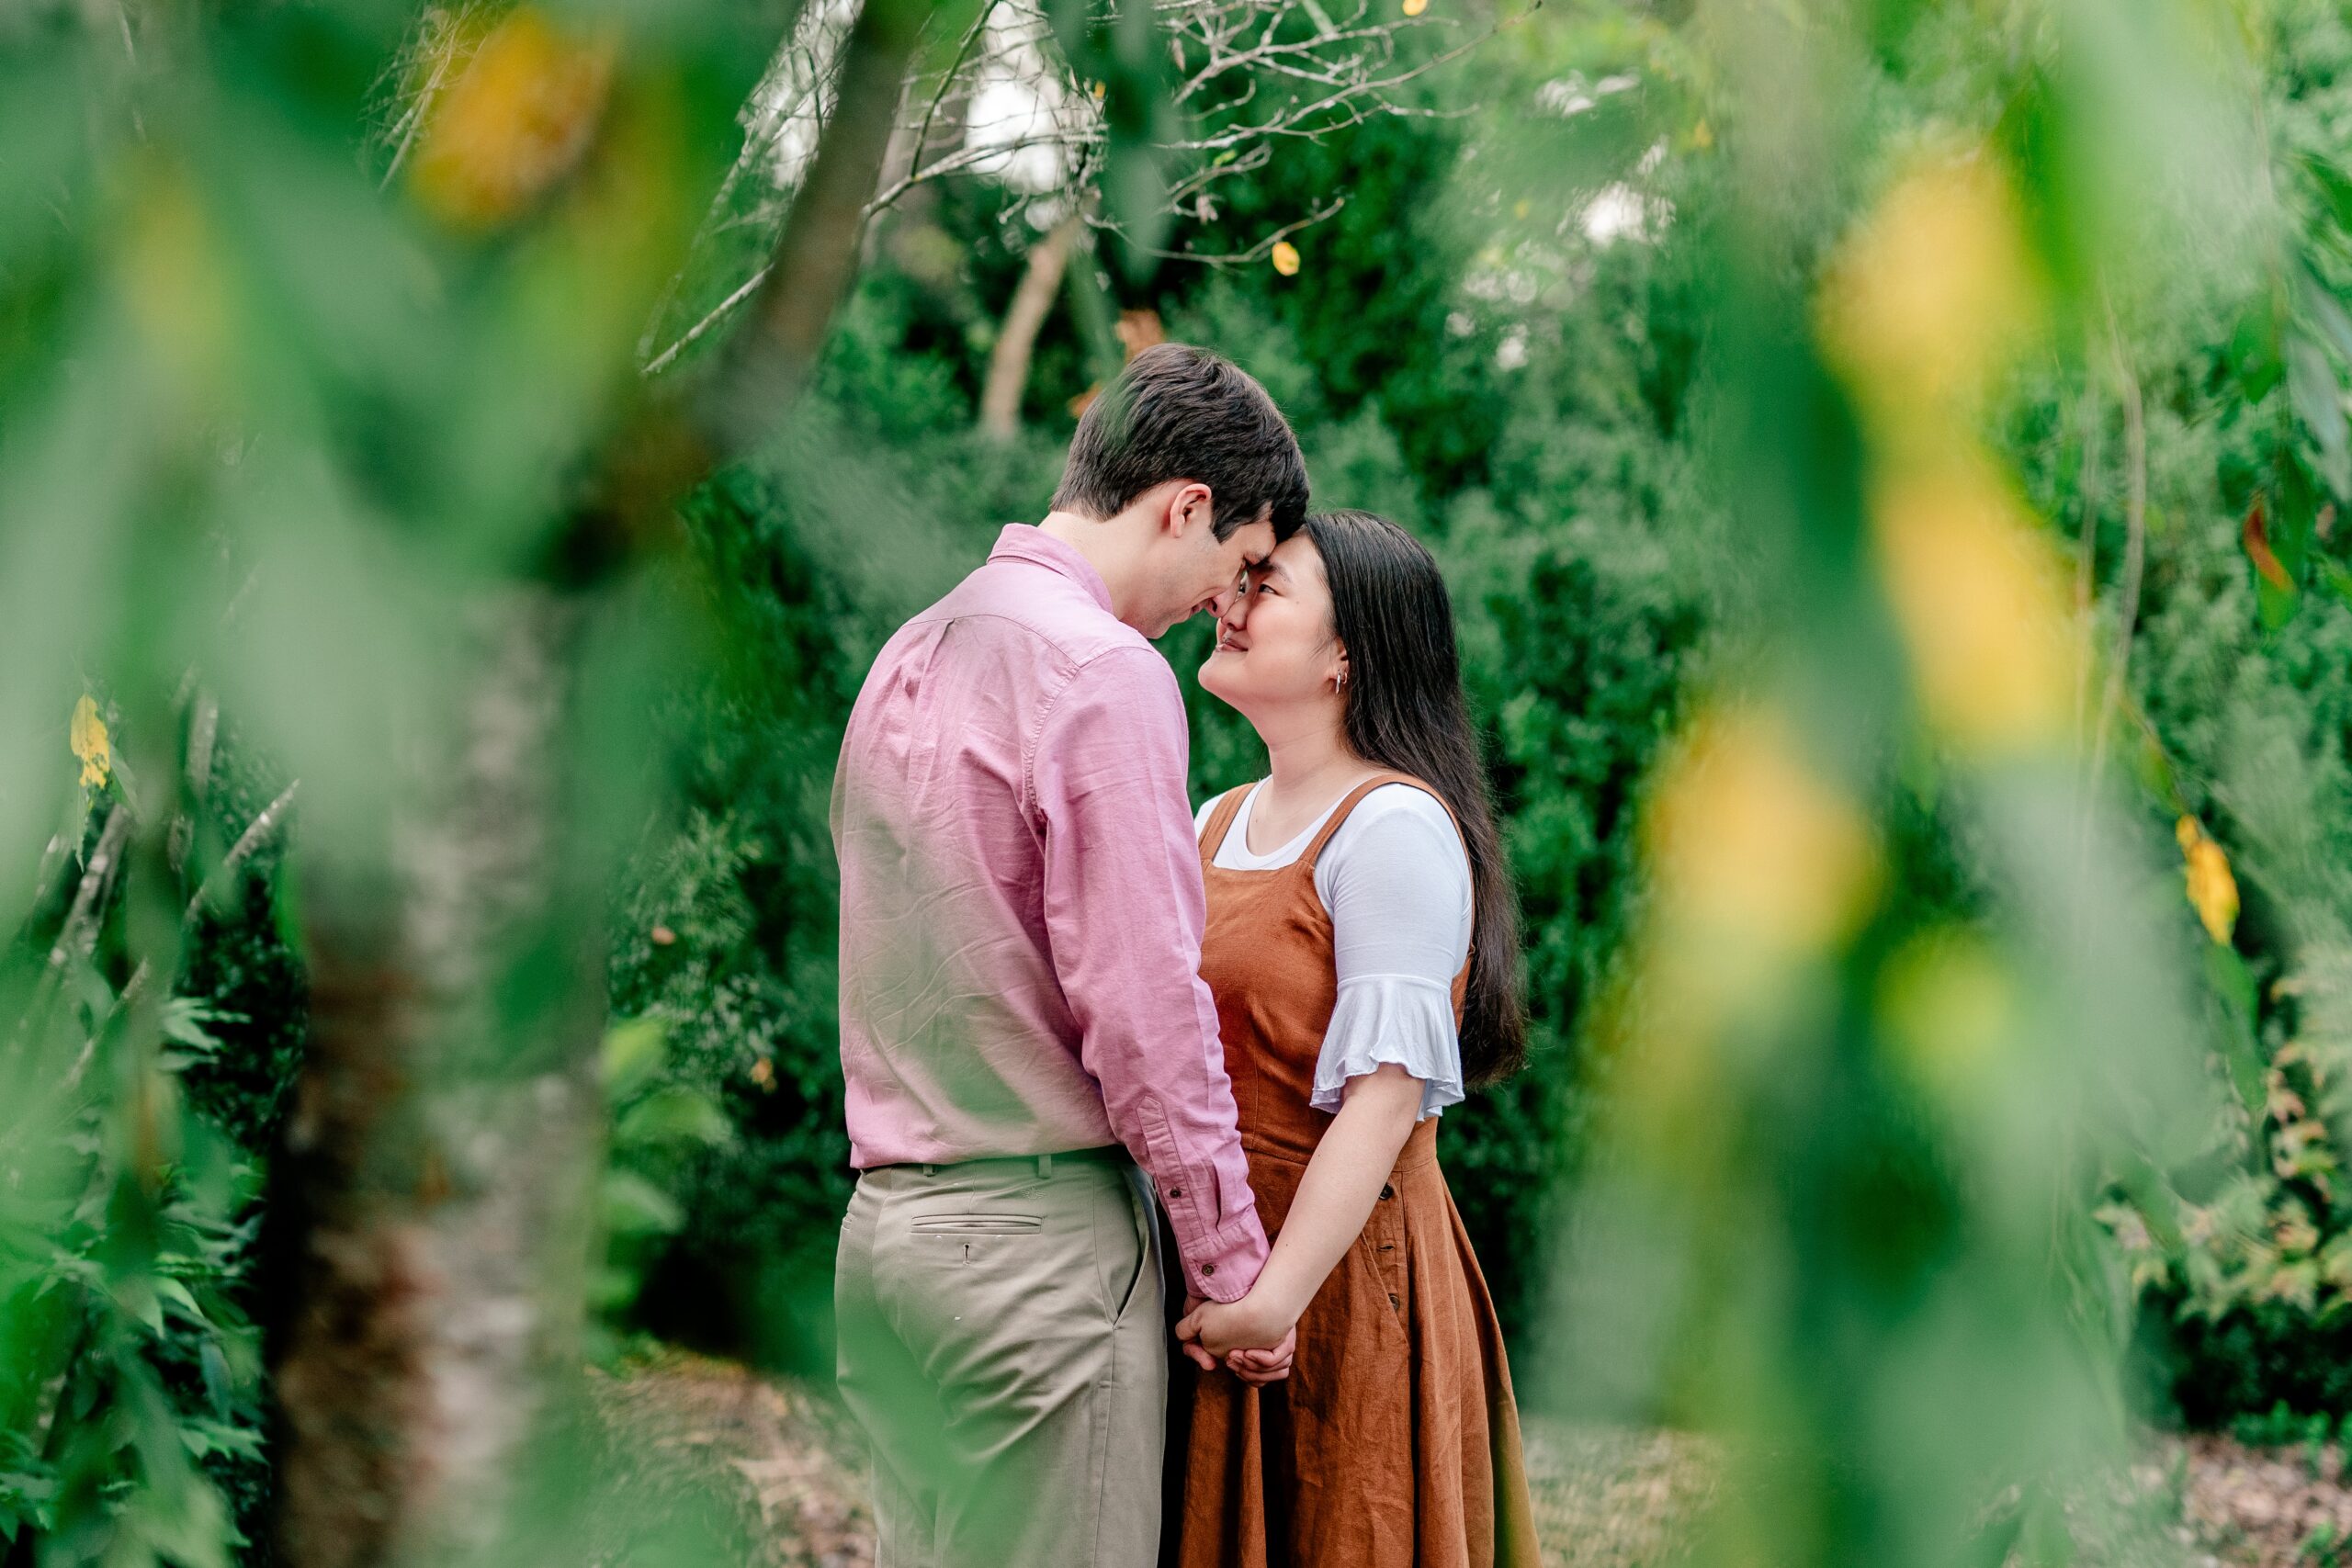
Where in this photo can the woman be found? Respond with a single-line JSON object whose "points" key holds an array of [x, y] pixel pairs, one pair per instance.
{"points": [[1362, 948]]}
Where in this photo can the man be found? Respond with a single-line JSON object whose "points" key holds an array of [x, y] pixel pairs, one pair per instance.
{"points": [[1021, 1017]]}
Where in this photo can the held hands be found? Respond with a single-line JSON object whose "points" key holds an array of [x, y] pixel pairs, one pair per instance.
{"points": [[1255, 1339]]}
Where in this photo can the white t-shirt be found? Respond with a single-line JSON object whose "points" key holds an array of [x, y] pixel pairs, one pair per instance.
{"points": [[1397, 882]]}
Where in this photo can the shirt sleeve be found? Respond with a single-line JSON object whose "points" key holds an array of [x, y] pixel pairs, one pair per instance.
{"points": [[1123, 915], [1397, 882]]}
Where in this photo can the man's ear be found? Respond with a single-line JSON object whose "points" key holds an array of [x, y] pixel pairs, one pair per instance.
{"points": [[1190, 506]]}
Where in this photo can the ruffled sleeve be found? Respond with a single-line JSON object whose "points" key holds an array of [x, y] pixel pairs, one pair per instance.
{"points": [[1397, 882]]}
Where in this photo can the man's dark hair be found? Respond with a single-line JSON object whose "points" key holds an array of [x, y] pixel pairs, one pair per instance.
{"points": [[1179, 412]]}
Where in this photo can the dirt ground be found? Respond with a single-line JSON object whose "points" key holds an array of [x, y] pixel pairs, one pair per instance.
{"points": [[779, 1462]]}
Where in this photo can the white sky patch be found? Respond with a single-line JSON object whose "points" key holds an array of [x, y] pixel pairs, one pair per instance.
{"points": [[1571, 96], [789, 111], [1022, 111], [1619, 212]]}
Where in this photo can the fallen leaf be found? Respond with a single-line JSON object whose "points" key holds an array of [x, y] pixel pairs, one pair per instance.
{"points": [[2257, 547]]}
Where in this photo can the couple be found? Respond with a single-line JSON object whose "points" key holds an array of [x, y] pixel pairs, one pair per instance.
{"points": [[1069, 1006]]}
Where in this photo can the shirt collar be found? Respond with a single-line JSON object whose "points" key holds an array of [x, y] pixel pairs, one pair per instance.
{"points": [[1025, 541]]}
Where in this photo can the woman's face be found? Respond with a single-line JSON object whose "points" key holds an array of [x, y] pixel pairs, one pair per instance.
{"points": [[1275, 647]]}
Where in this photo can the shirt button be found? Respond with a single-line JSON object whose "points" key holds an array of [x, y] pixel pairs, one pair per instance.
{"points": [[1175, 1192], [1208, 1268], [1388, 1191]]}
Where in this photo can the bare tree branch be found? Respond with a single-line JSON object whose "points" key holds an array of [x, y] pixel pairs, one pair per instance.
{"points": [[1249, 79], [2135, 545], [809, 270], [265, 822], [1009, 360], [438, 32]]}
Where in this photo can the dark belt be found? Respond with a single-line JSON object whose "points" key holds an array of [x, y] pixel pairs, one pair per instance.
{"points": [[1107, 1153]]}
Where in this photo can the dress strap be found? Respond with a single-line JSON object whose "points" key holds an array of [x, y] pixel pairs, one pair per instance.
{"points": [[1220, 822], [1355, 797]]}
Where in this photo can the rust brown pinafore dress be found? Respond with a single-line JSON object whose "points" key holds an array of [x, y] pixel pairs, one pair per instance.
{"points": [[1394, 1443]]}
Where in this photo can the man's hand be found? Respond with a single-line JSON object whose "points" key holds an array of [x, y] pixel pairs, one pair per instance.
{"points": [[1260, 1364], [1191, 1343], [1256, 1321]]}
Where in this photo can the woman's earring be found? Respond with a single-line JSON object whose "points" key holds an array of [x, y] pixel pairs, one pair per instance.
{"points": [[1340, 681]]}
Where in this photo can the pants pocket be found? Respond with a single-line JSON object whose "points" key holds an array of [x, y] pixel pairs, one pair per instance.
{"points": [[976, 1224], [1146, 1231]]}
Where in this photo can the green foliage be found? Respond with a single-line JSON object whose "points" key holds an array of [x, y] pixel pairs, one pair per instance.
{"points": [[129, 1371], [2282, 1426], [655, 1127]]}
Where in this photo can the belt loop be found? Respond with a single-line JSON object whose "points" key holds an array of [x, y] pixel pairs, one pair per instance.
{"points": [[930, 1170], [1044, 1168]]}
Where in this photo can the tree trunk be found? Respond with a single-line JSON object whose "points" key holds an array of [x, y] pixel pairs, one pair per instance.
{"points": [[441, 1155], [1032, 303], [431, 1215]]}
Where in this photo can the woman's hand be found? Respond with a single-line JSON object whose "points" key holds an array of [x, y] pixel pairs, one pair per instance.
{"points": [[1254, 1337]]}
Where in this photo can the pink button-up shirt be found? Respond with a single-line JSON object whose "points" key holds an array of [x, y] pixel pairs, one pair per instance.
{"points": [[1021, 905]]}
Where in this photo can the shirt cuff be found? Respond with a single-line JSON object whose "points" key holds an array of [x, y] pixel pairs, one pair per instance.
{"points": [[1224, 1264], [1381, 1018]]}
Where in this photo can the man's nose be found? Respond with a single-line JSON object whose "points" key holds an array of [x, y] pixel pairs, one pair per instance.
{"points": [[1227, 602]]}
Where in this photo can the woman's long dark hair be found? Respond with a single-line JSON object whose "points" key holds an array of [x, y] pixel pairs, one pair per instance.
{"points": [[1405, 710]]}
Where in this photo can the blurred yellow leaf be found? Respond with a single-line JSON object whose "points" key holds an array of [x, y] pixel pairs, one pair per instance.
{"points": [[1285, 258], [518, 117], [1981, 599], [175, 286], [1762, 867], [88, 738], [2212, 887], [1415, 7], [1931, 290], [1749, 842]]}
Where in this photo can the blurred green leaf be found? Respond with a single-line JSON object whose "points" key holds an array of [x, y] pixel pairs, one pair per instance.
{"points": [[674, 1115], [631, 1055], [2318, 400], [635, 1207], [2233, 984]]}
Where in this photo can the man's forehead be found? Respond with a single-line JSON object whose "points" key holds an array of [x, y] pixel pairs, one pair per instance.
{"points": [[1254, 557]]}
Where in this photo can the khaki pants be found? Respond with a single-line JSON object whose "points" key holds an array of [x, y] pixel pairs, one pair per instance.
{"points": [[1003, 1344]]}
